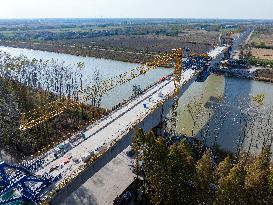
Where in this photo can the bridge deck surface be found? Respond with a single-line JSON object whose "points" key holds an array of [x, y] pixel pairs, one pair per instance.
{"points": [[114, 127]]}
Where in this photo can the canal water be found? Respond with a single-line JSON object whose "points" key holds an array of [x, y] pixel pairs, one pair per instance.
{"points": [[224, 112], [220, 111]]}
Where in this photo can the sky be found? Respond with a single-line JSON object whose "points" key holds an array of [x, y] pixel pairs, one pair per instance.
{"points": [[219, 9]]}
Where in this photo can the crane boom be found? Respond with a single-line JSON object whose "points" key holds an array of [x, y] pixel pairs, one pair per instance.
{"points": [[57, 107]]}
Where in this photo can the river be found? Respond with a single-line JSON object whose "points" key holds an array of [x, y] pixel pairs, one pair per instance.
{"points": [[226, 114]]}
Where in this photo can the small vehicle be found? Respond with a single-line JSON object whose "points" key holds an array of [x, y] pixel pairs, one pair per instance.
{"points": [[160, 94], [53, 168], [163, 78], [66, 161], [145, 106], [88, 156], [124, 199], [83, 136], [126, 196]]}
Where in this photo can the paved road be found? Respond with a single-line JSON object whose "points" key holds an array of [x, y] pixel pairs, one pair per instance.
{"points": [[241, 40]]}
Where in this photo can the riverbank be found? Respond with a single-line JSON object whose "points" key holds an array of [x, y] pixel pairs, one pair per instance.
{"points": [[254, 73], [135, 49], [80, 50]]}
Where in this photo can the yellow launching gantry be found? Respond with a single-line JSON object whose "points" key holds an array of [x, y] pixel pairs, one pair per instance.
{"points": [[48, 111]]}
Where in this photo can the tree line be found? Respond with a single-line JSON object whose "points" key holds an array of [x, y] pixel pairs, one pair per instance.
{"points": [[185, 173]]}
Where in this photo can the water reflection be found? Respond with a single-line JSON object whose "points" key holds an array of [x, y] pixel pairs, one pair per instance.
{"points": [[222, 112]]}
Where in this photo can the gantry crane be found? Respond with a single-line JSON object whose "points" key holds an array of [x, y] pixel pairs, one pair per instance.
{"points": [[55, 108]]}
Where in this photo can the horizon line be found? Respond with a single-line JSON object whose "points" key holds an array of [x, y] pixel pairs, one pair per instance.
{"points": [[148, 18]]}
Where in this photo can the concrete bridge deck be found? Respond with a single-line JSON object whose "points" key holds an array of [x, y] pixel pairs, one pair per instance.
{"points": [[116, 126]]}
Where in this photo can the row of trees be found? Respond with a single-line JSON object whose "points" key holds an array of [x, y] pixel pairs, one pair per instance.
{"points": [[181, 174], [90, 32], [261, 62], [261, 45], [53, 76], [27, 84]]}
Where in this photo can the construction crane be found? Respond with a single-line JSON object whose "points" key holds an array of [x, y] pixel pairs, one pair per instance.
{"points": [[48, 111], [177, 55]]}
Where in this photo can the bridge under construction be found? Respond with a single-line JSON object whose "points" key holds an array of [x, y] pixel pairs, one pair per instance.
{"points": [[65, 167]]}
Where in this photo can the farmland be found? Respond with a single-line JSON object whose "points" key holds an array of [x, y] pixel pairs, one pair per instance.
{"points": [[261, 43], [124, 40], [262, 38], [262, 53]]}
